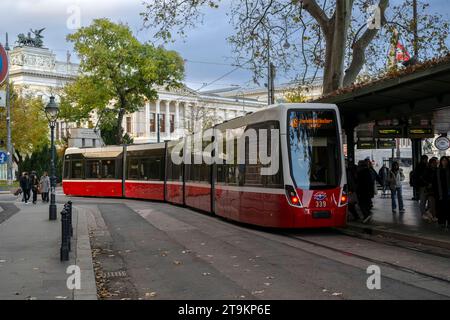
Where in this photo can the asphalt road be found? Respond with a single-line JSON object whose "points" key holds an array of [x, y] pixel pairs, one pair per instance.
{"points": [[148, 250]]}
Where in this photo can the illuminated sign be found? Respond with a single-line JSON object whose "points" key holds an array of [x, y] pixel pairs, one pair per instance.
{"points": [[366, 144], [386, 144], [388, 132], [311, 123], [420, 132]]}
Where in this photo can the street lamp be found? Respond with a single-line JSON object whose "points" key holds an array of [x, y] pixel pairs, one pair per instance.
{"points": [[52, 111]]}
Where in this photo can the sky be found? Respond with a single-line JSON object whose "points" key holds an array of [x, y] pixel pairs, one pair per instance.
{"points": [[208, 54]]}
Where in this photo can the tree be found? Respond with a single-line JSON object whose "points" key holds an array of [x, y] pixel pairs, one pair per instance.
{"points": [[306, 37], [29, 126], [118, 73]]}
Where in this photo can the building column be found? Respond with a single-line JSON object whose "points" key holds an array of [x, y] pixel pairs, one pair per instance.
{"points": [[177, 118], [167, 118], [147, 120], [158, 133]]}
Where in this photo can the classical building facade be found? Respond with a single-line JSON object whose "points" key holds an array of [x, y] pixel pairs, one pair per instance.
{"points": [[36, 71]]}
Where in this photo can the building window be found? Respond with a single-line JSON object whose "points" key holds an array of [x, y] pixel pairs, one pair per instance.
{"points": [[152, 122], [94, 143], [83, 142], [128, 124], [162, 122], [172, 123]]}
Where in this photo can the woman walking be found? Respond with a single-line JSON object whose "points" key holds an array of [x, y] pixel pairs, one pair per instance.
{"points": [[45, 187], [443, 192], [396, 177]]}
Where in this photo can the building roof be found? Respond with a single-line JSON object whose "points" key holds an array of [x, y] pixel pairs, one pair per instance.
{"points": [[413, 91]]}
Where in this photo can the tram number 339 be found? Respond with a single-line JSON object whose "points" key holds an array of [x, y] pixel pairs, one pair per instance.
{"points": [[321, 204]]}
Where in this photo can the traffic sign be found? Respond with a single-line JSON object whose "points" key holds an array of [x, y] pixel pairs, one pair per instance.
{"points": [[3, 157], [442, 143], [4, 65]]}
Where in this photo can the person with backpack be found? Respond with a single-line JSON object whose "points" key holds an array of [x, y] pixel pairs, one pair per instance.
{"points": [[396, 177]]}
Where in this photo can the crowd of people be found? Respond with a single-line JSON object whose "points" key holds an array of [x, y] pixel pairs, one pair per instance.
{"points": [[431, 179], [31, 184]]}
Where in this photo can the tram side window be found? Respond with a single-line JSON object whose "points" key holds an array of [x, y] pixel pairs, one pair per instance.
{"points": [[93, 169], [133, 169], [108, 169], [152, 169], [66, 174], [76, 170]]}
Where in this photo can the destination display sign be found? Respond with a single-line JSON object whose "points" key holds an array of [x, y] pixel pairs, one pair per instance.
{"points": [[420, 132], [386, 144], [388, 132], [366, 144]]}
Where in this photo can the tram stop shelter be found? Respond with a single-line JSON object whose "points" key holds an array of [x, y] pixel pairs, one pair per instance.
{"points": [[412, 103]]}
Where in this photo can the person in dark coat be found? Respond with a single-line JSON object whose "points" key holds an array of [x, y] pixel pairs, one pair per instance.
{"points": [[352, 183], [374, 179], [383, 173], [442, 188], [420, 183], [364, 189], [34, 181], [25, 185]]}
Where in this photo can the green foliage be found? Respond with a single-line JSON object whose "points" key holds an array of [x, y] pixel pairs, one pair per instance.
{"points": [[29, 126], [118, 74], [40, 161]]}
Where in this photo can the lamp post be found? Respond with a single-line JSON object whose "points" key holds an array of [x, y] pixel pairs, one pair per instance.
{"points": [[52, 111]]}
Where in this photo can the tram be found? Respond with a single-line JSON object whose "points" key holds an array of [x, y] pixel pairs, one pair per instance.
{"points": [[302, 186]]}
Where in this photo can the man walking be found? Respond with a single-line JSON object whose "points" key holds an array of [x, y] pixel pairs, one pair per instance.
{"points": [[34, 181], [25, 185]]}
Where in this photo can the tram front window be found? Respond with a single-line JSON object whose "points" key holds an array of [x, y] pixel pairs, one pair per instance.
{"points": [[313, 141]]}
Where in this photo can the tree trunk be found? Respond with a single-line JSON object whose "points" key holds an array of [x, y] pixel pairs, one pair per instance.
{"points": [[119, 133], [336, 42]]}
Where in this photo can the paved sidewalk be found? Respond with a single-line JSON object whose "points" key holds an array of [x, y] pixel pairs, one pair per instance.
{"points": [[408, 226], [30, 266]]}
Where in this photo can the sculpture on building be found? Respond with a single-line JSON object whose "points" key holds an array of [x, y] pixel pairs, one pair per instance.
{"points": [[29, 41]]}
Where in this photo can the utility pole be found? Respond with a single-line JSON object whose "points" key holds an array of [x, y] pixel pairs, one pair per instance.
{"points": [[8, 121]]}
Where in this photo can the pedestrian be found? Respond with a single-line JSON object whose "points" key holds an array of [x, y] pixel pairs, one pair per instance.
{"points": [[34, 181], [383, 173], [430, 178], [420, 182], [352, 183], [25, 185], [45, 187], [443, 192], [364, 190], [374, 178], [396, 177]]}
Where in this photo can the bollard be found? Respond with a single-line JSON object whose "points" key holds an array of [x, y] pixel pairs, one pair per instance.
{"points": [[68, 225], [69, 205], [64, 251]]}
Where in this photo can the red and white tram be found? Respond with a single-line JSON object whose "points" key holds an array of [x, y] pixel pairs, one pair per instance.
{"points": [[308, 190]]}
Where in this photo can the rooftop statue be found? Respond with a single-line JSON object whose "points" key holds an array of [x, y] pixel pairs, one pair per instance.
{"points": [[28, 41]]}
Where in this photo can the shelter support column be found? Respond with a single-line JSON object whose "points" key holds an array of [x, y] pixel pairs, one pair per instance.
{"points": [[349, 129], [416, 145]]}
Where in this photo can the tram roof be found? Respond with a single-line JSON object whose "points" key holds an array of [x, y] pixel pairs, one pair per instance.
{"points": [[419, 90]]}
